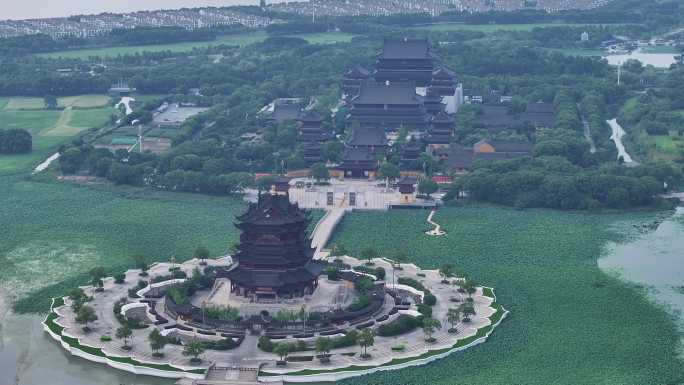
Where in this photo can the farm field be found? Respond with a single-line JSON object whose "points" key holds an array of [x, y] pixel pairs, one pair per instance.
{"points": [[569, 324], [237, 39], [49, 128]]}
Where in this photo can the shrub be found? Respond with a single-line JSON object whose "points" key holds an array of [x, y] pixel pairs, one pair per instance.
{"points": [[403, 324], [105, 338], [425, 310], [120, 278], [362, 302], [430, 299]]}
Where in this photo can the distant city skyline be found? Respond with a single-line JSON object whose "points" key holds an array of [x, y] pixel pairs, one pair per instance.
{"points": [[35, 9]]}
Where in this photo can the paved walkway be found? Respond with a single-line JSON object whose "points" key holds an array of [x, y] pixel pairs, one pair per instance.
{"points": [[618, 134], [324, 229]]}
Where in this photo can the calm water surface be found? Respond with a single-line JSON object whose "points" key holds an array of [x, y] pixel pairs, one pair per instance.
{"points": [[655, 260]]}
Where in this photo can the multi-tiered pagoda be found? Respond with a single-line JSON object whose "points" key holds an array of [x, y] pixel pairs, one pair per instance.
{"points": [[312, 136], [441, 131], [274, 257]]}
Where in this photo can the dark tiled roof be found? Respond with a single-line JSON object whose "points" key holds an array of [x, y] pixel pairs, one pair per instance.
{"points": [[460, 157], [499, 156], [357, 72], [285, 112], [442, 117], [380, 93], [540, 107], [368, 136], [275, 279], [358, 155], [310, 116], [273, 210], [443, 73], [408, 180], [406, 49]]}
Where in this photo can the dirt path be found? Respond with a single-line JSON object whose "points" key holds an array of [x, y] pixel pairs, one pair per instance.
{"points": [[618, 134]]}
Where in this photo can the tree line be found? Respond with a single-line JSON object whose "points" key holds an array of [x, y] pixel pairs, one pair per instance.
{"points": [[15, 141]]}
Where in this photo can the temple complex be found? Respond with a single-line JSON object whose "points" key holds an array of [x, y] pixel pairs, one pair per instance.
{"points": [[274, 257]]}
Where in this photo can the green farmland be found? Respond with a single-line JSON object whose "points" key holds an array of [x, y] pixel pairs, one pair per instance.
{"points": [[489, 28], [49, 128], [237, 39], [569, 324]]}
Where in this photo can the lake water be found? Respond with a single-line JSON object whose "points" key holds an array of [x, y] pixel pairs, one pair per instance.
{"points": [[658, 60], [654, 260], [30, 9]]}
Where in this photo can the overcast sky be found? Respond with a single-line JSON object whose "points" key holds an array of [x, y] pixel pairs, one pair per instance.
{"points": [[29, 9]]}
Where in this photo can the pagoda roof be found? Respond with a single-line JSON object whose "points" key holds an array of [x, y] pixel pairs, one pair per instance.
{"points": [[310, 116], [357, 72], [276, 279], [442, 117], [368, 136], [359, 155], [406, 49], [382, 93], [273, 210], [443, 73]]}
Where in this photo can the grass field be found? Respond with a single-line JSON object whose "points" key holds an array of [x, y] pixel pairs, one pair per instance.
{"points": [[488, 28], [238, 39], [49, 128], [80, 101], [91, 117], [569, 324]]}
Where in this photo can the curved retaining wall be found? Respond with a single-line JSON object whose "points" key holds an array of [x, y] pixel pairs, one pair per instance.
{"points": [[181, 373], [342, 374]]}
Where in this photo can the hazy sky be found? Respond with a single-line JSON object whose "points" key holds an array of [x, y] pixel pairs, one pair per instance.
{"points": [[29, 9]]}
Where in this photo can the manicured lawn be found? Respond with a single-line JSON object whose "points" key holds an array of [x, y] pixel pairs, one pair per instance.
{"points": [[84, 101], [487, 28], [34, 121], [24, 103], [569, 324], [238, 39], [91, 117]]}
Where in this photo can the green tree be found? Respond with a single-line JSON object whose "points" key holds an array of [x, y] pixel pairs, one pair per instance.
{"points": [[365, 339], [157, 342], [96, 275], [427, 186], [467, 309], [323, 346], [85, 315], [319, 172], [368, 254], [453, 317], [124, 332], [50, 102], [282, 350], [193, 349], [446, 271], [201, 253], [429, 327], [388, 172]]}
